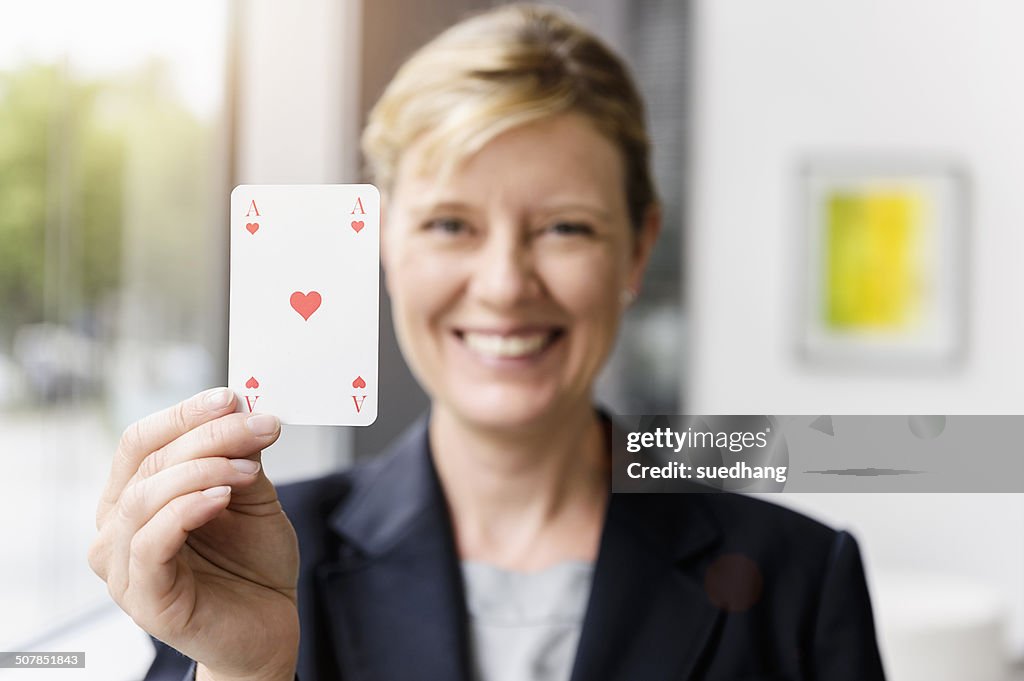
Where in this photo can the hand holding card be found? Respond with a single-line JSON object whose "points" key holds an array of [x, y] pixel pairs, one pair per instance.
{"points": [[304, 302]]}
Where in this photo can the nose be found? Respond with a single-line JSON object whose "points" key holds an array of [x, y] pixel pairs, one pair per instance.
{"points": [[504, 274]]}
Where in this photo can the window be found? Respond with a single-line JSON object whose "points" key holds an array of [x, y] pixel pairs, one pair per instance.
{"points": [[113, 186]]}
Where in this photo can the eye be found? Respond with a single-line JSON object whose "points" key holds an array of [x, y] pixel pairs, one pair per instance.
{"points": [[571, 229], [452, 226]]}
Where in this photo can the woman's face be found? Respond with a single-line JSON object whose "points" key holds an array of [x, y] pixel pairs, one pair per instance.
{"points": [[506, 277]]}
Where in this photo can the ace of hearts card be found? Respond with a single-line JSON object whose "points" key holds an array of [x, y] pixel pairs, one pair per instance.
{"points": [[304, 301]]}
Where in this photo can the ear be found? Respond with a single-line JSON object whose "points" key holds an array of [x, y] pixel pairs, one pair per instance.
{"points": [[643, 245]]}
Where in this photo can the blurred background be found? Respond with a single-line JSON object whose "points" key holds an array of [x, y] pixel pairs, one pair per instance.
{"points": [[842, 229]]}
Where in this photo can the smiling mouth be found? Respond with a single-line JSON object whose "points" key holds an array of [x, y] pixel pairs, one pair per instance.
{"points": [[517, 345]]}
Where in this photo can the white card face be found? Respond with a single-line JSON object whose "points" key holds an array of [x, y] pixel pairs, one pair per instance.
{"points": [[304, 301]]}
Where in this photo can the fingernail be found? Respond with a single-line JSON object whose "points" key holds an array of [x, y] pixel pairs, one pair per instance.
{"points": [[215, 492], [217, 399], [262, 424], [245, 466]]}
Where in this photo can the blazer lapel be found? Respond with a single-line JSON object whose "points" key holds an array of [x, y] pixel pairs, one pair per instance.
{"points": [[395, 599], [648, 616]]}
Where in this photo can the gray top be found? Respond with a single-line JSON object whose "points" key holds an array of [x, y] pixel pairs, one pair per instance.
{"points": [[525, 626]]}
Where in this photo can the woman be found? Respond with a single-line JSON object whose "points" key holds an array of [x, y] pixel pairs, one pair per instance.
{"points": [[513, 159]]}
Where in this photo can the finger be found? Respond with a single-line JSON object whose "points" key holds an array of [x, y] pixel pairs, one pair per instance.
{"points": [[152, 565], [155, 431], [141, 501], [232, 436]]}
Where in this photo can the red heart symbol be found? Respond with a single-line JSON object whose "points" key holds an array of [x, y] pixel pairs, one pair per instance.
{"points": [[252, 383], [305, 303], [357, 225], [252, 227], [359, 382]]}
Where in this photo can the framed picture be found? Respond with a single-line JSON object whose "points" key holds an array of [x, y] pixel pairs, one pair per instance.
{"points": [[884, 282]]}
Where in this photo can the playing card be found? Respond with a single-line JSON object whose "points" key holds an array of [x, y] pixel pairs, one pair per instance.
{"points": [[304, 302]]}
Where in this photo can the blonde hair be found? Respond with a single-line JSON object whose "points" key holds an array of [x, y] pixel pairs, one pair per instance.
{"points": [[501, 69]]}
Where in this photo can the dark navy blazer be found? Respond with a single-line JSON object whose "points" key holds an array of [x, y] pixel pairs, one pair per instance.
{"points": [[710, 587]]}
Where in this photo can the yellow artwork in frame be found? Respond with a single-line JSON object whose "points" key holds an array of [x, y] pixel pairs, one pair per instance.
{"points": [[884, 273]]}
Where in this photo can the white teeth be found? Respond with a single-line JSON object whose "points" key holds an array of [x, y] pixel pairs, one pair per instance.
{"points": [[494, 345]]}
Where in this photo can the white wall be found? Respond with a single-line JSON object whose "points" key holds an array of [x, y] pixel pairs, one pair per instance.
{"points": [[776, 81]]}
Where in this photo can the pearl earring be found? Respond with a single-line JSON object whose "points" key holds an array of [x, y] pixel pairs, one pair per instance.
{"points": [[627, 297]]}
